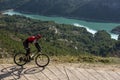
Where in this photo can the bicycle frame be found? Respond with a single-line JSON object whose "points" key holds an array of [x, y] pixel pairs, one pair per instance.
{"points": [[33, 54]]}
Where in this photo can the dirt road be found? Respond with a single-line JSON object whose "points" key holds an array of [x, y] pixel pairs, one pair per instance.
{"points": [[59, 72]]}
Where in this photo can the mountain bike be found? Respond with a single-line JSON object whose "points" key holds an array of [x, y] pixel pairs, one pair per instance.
{"points": [[41, 59]]}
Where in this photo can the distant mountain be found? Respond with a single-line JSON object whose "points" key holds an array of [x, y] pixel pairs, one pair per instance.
{"points": [[101, 10], [8, 4]]}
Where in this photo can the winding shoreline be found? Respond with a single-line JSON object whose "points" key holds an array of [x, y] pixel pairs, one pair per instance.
{"points": [[71, 21], [68, 17]]}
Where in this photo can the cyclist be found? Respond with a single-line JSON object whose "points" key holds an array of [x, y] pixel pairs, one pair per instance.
{"points": [[34, 40]]}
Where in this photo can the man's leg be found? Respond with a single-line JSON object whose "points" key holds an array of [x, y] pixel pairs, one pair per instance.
{"points": [[26, 46]]}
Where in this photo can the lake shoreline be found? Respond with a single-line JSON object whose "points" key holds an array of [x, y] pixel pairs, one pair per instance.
{"points": [[68, 17], [91, 26]]}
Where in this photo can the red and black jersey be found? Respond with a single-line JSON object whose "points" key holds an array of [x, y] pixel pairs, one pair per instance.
{"points": [[32, 39]]}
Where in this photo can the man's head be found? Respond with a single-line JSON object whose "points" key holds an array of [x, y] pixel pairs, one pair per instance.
{"points": [[38, 36]]}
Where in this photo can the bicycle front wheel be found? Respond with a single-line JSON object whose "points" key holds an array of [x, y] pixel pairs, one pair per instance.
{"points": [[19, 59], [42, 60]]}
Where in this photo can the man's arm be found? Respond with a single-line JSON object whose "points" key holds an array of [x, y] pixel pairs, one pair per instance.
{"points": [[38, 47]]}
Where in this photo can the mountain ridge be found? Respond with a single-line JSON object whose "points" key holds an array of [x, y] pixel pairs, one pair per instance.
{"points": [[80, 9]]}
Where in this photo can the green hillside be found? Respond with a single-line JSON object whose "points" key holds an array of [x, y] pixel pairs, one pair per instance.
{"points": [[57, 40]]}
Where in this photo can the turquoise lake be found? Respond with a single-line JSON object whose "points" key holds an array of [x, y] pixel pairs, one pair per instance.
{"points": [[92, 27]]}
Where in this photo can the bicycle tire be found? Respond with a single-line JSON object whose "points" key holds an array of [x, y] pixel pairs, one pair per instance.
{"points": [[18, 57], [42, 60]]}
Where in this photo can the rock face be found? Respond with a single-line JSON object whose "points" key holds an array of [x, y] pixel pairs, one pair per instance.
{"points": [[116, 30], [96, 10]]}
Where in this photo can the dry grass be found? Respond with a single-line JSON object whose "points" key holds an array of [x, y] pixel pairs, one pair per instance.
{"points": [[83, 62], [6, 61], [75, 59], [73, 62], [85, 59]]}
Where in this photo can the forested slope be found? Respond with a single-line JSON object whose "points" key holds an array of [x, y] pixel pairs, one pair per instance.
{"points": [[58, 39]]}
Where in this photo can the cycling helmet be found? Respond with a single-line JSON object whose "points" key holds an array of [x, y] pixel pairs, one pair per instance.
{"points": [[38, 36]]}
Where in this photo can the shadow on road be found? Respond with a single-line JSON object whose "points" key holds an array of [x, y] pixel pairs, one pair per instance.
{"points": [[17, 71]]}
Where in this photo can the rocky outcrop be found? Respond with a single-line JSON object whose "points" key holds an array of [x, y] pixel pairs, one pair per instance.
{"points": [[116, 30]]}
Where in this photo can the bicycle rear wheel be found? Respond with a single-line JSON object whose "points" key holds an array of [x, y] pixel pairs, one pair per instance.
{"points": [[42, 60], [19, 59]]}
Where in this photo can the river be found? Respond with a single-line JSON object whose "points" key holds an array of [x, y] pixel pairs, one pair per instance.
{"points": [[92, 27]]}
